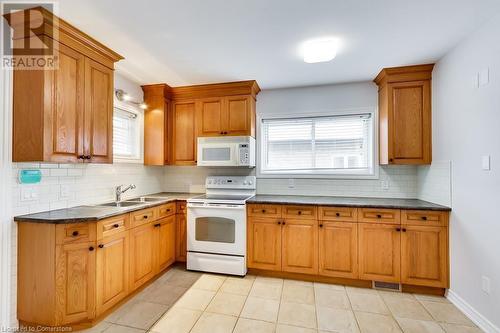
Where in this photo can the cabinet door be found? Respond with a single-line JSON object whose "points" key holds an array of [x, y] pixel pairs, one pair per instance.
{"points": [[264, 243], [424, 252], [67, 112], [211, 117], [237, 115], [338, 249], [142, 255], [410, 122], [379, 252], [98, 134], [75, 282], [112, 270], [184, 145], [300, 246], [166, 242], [181, 237]]}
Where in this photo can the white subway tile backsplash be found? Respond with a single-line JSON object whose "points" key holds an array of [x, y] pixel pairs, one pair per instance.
{"points": [[434, 182]]}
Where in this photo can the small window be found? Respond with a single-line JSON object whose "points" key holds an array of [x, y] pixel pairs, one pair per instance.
{"points": [[329, 145], [126, 135]]}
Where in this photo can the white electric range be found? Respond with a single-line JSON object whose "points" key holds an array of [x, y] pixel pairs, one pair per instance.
{"points": [[217, 225]]}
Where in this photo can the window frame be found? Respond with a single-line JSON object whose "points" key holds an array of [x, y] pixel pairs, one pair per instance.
{"points": [[139, 159], [338, 174]]}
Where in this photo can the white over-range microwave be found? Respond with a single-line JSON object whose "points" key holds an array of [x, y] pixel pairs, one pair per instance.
{"points": [[231, 151]]}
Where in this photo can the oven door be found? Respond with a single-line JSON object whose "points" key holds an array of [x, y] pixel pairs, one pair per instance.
{"points": [[217, 154], [216, 228]]}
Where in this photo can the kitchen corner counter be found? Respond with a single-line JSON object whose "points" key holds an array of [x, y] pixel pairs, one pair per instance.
{"points": [[414, 204], [92, 213]]}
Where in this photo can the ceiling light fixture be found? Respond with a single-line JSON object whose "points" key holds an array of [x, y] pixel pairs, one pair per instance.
{"points": [[122, 96], [320, 50]]}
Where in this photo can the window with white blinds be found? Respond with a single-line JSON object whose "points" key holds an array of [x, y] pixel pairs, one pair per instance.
{"points": [[340, 144], [126, 135]]}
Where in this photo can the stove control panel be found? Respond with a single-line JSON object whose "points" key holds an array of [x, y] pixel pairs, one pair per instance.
{"points": [[231, 182]]}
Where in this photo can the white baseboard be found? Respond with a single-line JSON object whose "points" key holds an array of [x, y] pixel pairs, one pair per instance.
{"points": [[481, 321]]}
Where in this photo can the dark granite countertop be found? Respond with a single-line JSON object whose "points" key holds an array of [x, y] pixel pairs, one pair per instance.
{"points": [[92, 213], [349, 202]]}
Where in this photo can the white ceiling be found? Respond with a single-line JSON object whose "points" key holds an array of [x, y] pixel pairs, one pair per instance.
{"points": [[184, 42]]}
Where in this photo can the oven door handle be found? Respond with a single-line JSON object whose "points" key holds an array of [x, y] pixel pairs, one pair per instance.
{"points": [[212, 206]]}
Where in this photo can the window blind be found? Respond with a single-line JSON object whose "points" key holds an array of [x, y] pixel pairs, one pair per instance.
{"points": [[125, 134], [318, 144]]}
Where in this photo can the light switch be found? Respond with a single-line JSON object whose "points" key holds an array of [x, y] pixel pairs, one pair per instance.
{"points": [[484, 77], [485, 161]]}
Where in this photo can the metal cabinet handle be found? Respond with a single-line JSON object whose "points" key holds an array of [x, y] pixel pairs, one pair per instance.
{"points": [[404, 229], [379, 216], [145, 217], [337, 214], [116, 225], [321, 225], [91, 248], [75, 233], [279, 222], [424, 218], [299, 212], [283, 222], [398, 229], [100, 246], [263, 211], [157, 225]]}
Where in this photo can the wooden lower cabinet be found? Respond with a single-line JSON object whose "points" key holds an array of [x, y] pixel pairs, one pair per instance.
{"points": [[142, 255], [165, 242], [264, 243], [424, 256], [300, 246], [338, 249], [75, 282], [379, 252], [181, 237], [112, 271]]}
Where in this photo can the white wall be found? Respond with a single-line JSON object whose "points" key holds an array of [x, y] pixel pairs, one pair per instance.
{"points": [[310, 100], [466, 123]]}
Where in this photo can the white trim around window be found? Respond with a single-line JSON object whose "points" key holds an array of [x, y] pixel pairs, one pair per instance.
{"points": [[136, 150], [264, 171]]}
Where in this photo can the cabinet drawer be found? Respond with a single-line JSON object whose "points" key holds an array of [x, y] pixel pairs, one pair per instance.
{"points": [[166, 210], [378, 215], [181, 207], [112, 226], [299, 212], [347, 214], [75, 233], [264, 210], [143, 216], [424, 217]]}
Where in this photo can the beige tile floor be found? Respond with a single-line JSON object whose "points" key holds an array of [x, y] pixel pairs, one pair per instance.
{"points": [[182, 302]]}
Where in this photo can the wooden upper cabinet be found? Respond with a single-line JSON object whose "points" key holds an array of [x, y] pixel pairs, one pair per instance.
{"points": [[184, 134], [211, 117], [405, 115], [98, 133], [64, 114], [157, 124]]}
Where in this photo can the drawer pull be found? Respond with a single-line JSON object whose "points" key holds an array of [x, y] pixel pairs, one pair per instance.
{"points": [[321, 226], [398, 229], [279, 222], [91, 248], [424, 218], [101, 246], [157, 225], [379, 216], [75, 233], [299, 212], [116, 225], [404, 229], [168, 210], [263, 211], [337, 214], [145, 217], [283, 222]]}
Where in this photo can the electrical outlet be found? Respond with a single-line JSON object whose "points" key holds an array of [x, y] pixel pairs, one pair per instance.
{"points": [[291, 183], [486, 284], [484, 77], [384, 184], [64, 191], [29, 194]]}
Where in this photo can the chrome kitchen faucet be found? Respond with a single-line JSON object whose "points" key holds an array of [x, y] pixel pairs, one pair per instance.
{"points": [[119, 191]]}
